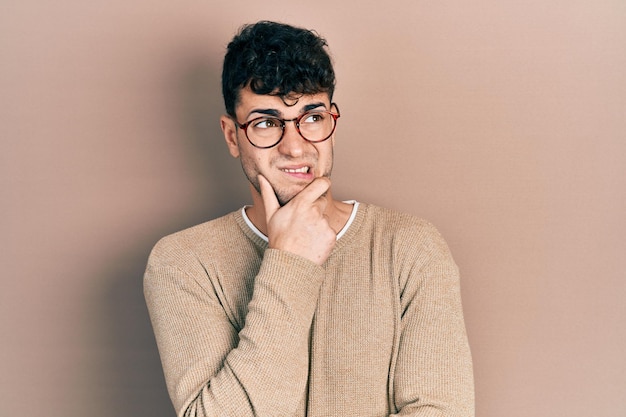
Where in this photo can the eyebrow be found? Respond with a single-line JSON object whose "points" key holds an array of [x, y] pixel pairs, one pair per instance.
{"points": [[276, 113], [269, 112], [312, 106]]}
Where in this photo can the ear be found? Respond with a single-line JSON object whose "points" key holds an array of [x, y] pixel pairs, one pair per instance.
{"points": [[230, 135]]}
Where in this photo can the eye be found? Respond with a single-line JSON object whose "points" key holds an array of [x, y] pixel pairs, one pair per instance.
{"points": [[315, 117], [266, 123]]}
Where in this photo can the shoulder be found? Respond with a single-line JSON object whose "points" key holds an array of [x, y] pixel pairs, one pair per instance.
{"points": [[400, 225], [182, 246], [408, 237], [416, 248]]}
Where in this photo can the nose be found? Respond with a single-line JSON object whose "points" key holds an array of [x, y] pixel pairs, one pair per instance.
{"points": [[292, 143]]}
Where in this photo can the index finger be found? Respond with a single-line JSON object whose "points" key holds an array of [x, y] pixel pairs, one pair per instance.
{"points": [[314, 190], [270, 202]]}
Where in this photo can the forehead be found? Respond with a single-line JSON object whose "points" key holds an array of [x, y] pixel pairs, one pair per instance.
{"points": [[249, 102]]}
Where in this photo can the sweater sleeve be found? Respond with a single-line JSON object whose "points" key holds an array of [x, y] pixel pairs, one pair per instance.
{"points": [[210, 369], [433, 372]]}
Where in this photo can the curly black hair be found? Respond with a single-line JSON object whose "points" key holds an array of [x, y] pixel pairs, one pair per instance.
{"points": [[277, 59]]}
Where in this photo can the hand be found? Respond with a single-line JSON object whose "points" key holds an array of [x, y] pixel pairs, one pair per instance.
{"points": [[299, 226]]}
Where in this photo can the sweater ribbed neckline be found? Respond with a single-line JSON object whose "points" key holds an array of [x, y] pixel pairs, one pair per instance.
{"points": [[346, 237]]}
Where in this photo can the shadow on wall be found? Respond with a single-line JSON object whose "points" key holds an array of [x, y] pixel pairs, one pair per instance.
{"points": [[131, 361]]}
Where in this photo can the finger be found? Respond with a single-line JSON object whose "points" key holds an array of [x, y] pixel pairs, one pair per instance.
{"points": [[270, 202], [314, 190]]}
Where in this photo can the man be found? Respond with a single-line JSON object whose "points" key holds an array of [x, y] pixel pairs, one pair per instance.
{"points": [[302, 305]]}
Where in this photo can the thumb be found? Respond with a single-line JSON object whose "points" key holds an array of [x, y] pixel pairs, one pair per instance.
{"points": [[270, 202]]}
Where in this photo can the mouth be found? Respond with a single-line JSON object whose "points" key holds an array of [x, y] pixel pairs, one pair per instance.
{"points": [[300, 170]]}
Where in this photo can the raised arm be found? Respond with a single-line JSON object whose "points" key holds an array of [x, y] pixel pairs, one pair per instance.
{"points": [[213, 370]]}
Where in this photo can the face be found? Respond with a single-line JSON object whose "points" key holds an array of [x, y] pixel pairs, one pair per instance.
{"points": [[292, 164]]}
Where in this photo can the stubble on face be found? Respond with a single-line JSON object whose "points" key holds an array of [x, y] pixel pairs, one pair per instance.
{"points": [[269, 162], [283, 194]]}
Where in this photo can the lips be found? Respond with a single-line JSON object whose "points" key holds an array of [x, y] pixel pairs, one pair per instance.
{"points": [[297, 172], [300, 170]]}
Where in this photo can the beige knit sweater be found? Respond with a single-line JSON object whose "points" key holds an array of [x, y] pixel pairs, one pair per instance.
{"points": [[378, 330]]}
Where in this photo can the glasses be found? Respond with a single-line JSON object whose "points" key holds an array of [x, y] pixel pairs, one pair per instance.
{"points": [[314, 126]]}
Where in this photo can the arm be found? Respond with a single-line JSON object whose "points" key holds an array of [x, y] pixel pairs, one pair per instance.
{"points": [[433, 372], [210, 369], [262, 371]]}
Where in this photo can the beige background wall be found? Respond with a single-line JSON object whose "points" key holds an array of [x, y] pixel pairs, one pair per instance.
{"points": [[502, 122]]}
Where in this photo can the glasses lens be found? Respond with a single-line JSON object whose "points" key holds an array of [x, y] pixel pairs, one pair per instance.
{"points": [[265, 131], [316, 126]]}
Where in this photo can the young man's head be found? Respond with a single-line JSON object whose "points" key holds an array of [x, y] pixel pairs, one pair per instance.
{"points": [[276, 59], [278, 83]]}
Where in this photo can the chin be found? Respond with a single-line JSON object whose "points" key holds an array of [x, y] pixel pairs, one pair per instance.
{"points": [[284, 198]]}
